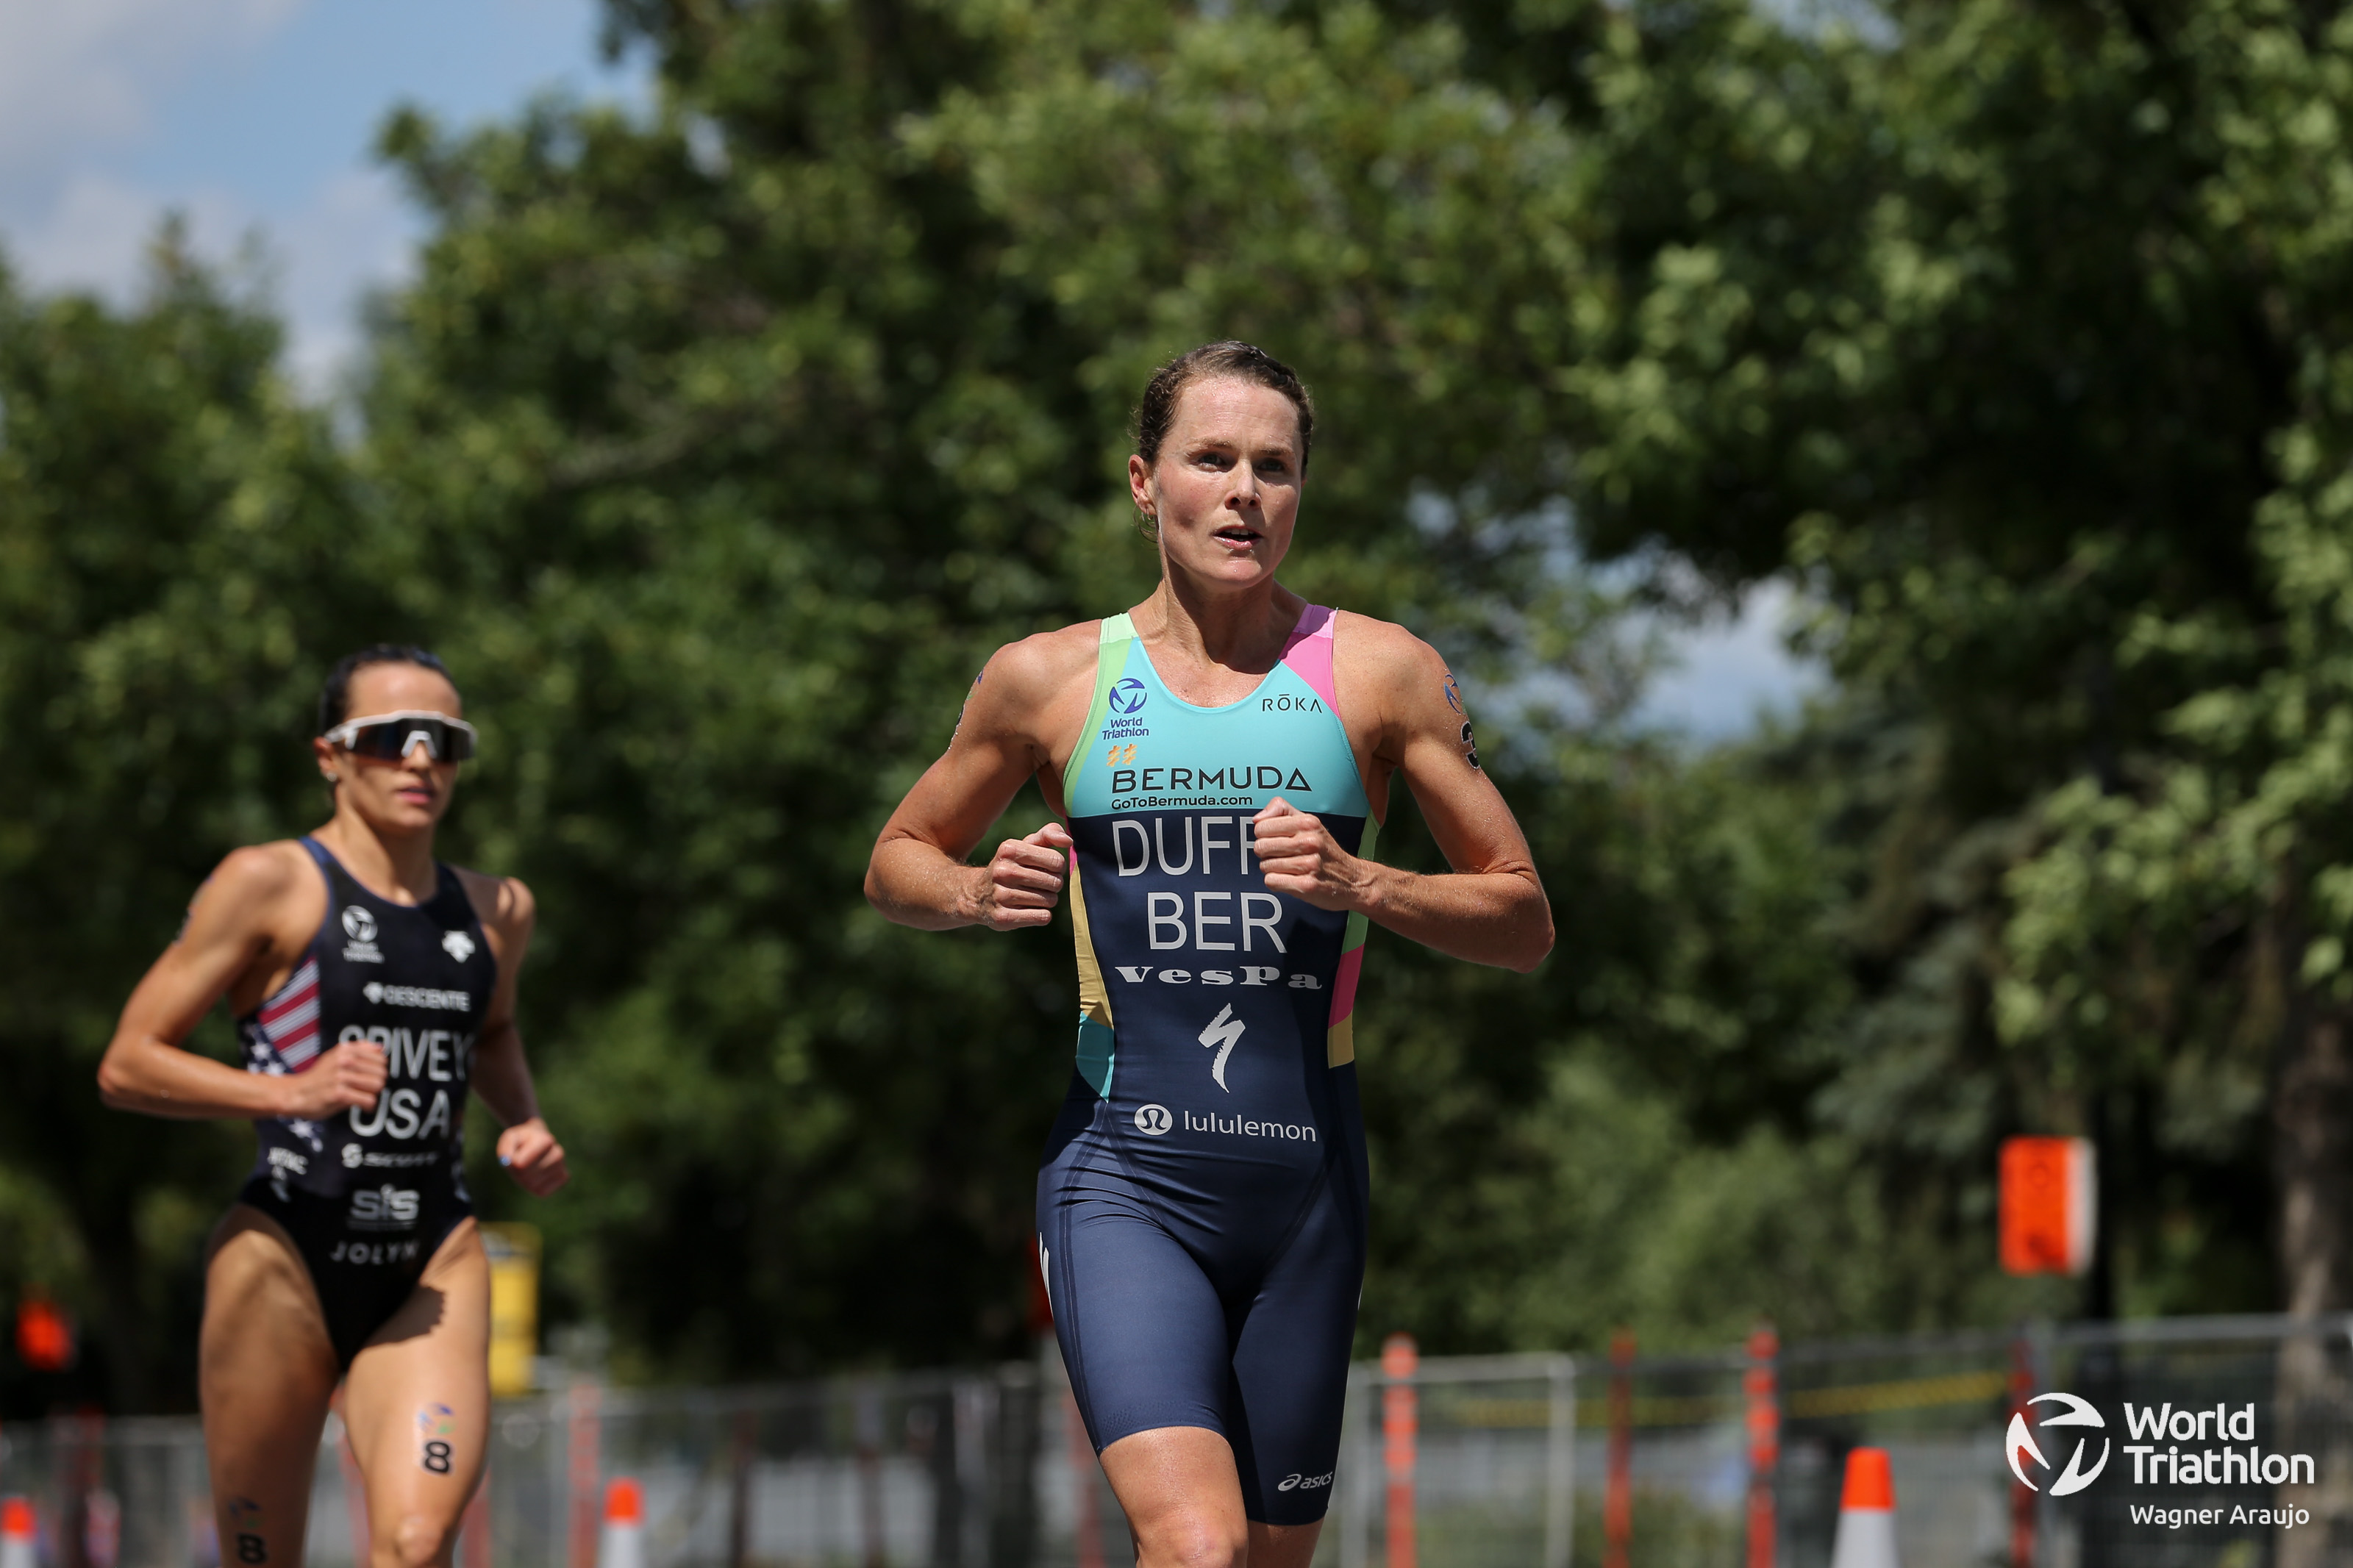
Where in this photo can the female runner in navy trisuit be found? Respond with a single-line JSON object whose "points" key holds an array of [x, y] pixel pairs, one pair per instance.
{"points": [[1220, 759], [372, 986]]}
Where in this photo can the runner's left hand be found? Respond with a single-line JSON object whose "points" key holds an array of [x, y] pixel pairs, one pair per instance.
{"points": [[1300, 858], [533, 1157]]}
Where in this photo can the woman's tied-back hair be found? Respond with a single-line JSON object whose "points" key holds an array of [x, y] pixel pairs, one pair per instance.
{"points": [[335, 696], [1157, 410]]}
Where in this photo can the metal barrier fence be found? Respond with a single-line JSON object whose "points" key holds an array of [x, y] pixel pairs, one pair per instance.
{"points": [[1513, 1464]]}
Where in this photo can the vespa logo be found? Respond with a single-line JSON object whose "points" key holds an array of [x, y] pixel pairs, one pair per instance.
{"points": [[1152, 1121], [2077, 1413], [1128, 696]]}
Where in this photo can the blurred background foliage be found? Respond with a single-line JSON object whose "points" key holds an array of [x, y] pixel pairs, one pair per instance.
{"points": [[716, 446]]}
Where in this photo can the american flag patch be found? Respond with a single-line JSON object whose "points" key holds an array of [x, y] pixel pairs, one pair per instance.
{"points": [[289, 1020]]}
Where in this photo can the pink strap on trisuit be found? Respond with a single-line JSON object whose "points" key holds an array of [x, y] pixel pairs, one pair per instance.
{"points": [[1309, 652]]}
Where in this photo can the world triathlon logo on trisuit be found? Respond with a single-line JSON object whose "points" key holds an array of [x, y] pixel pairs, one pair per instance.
{"points": [[360, 926], [1128, 695]]}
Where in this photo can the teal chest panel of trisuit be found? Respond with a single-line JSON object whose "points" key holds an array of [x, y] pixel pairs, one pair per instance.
{"points": [[1201, 992]]}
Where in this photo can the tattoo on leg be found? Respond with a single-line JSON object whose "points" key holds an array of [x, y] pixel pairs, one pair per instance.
{"points": [[437, 1424], [245, 1531]]}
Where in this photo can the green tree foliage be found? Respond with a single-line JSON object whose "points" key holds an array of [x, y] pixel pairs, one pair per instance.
{"points": [[2007, 330], [172, 529], [717, 446]]}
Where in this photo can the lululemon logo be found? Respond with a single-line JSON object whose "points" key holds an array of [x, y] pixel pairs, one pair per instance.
{"points": [[358, 924], [1128, 695], [2076, 1413], [1152, 1121]]}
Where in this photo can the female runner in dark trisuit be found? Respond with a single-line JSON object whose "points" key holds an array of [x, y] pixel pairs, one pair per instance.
{"points": [[1219, 759], [372, 986]]}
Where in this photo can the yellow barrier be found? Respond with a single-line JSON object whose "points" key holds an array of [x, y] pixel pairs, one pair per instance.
{"points": [[514, 1305]]}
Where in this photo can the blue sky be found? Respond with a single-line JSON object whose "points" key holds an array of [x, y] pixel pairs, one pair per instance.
{"points": [[255, 117]]}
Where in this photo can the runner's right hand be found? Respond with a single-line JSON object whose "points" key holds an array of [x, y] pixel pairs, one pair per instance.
{"points": [[1025, 878], [347, 1077]]}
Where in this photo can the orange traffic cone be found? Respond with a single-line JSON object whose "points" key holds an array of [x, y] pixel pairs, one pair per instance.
{"points": [[15, 1533], [1866, 1526], [623, 1544]]}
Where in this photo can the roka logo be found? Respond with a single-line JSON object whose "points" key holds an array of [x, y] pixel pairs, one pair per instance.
{"points": [[1152, 1121], [2076, 1413]]}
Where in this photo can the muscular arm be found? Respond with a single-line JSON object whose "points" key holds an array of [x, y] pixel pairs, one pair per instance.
{"points": [[228, 930], [918, 876], [1492, 907], [501, 1076]]}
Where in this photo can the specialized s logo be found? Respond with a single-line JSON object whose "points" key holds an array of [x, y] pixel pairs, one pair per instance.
{"points": [[2077, 1413], [1224, 1032], [1128, 696]]}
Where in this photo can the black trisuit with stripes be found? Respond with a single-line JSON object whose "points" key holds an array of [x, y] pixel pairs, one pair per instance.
{"points": [[369, 1194]]}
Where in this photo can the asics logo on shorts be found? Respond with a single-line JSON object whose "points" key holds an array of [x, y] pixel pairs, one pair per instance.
{"points": [[1295, 1482]]}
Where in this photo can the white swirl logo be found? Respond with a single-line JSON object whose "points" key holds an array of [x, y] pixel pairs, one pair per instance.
{"points": [[358, 924], [1152, 1121], [2077, 1413]]}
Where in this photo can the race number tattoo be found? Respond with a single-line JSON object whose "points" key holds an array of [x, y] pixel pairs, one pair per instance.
{"points": [[1454, 700], [245, 1541], [436, 1426]]}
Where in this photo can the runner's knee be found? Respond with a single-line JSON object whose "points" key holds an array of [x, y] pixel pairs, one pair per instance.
{"points": [[1196, 1540], [417, 1541]]}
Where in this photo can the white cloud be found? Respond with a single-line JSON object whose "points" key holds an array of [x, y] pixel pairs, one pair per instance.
{"points": [[77, 70], [95, 235], [351, 235]]}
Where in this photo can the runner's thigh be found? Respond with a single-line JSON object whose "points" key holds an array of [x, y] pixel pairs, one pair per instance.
{"points": [[417, 1401], [266, 1371]]}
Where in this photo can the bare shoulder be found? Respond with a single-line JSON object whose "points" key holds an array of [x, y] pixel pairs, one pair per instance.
{"points": [[1381, 656], [1024, 679], [251, 882], [1047, 661], [503, 904]]}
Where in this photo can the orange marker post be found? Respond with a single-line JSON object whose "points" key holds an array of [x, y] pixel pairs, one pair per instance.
{"points": [[1618, 1487], [1400, 1427], [583, 1429], [1762, 1386], [2021, 1499]]}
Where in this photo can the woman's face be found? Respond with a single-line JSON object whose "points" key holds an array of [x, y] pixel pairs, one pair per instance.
{"points": [[410, 795], [1226, 488]]}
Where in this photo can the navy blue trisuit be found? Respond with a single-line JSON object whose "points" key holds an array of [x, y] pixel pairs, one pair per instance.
{"points": [[1201, 1206], [369, 1194]]}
